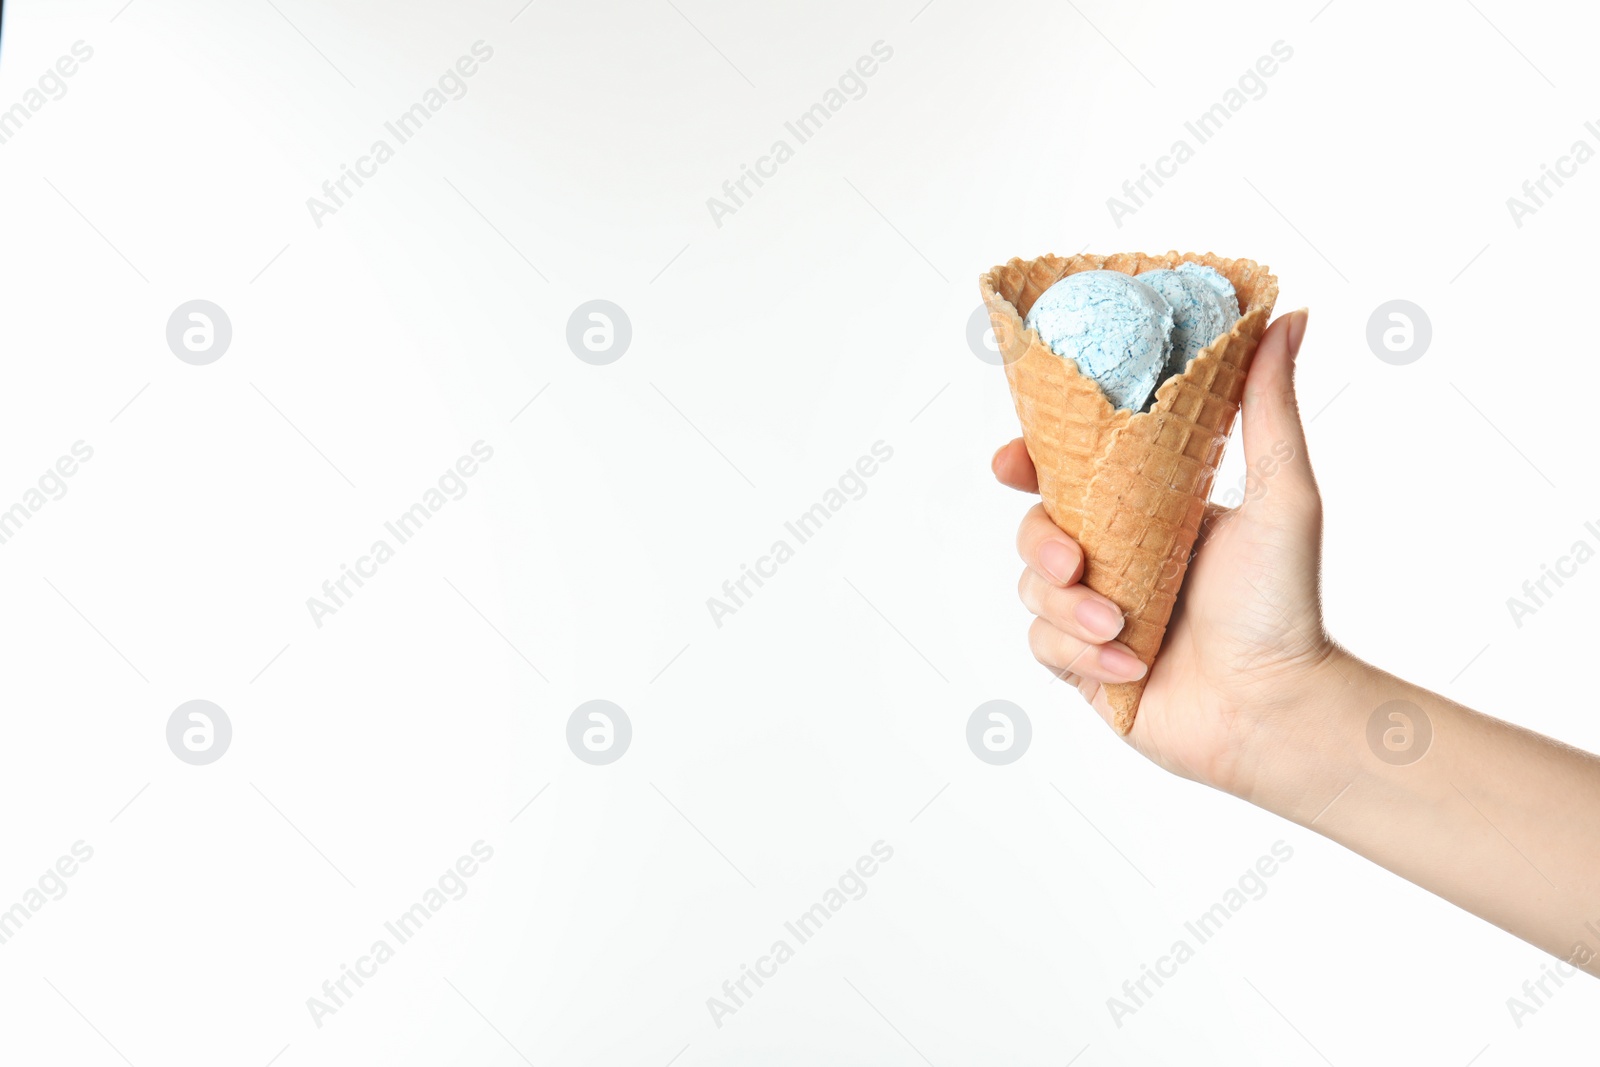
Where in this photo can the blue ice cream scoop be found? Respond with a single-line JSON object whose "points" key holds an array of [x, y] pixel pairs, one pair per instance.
{"points": [[1113, 326], [1203, 304], [1219, 283]]}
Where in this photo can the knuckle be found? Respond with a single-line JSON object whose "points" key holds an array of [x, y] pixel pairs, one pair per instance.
{"points": [[1032, 530], [1041, 642], [1060, 609]]}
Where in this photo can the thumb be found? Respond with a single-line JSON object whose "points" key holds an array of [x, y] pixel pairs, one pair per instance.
{"points": [[1274, 439]]}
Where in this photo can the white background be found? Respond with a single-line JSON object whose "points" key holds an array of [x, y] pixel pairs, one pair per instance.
{"points": [[768, 354]]}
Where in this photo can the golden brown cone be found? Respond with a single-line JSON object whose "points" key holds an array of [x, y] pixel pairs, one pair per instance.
{"points": [[1130, 488]]}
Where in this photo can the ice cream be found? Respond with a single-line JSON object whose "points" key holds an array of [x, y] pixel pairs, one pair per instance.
{"points": [[1218, 282], [1203, 304], [1117, 330]]}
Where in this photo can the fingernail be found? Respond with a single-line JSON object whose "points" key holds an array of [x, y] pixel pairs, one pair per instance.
{"points": [[1058, 559], [1122, 665], [1099, 618], [994, 460], [1297, 329]]}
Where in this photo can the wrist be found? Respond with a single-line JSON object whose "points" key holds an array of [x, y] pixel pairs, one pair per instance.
{"points": [[1303, 746]]}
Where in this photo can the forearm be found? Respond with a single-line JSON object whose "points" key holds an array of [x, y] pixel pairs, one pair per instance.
{"points": [[1498, 820]]}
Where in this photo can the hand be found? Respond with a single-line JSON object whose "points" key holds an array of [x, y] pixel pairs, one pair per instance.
{"points": [[1249, 695], [1246, 638]]}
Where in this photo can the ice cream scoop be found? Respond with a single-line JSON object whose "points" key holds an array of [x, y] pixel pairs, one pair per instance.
{"points": [[1203, 304], [1218, 281], [1117, 330]]}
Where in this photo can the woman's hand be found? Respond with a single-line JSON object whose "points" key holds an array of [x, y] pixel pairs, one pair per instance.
{"points": [[1246, 637]]}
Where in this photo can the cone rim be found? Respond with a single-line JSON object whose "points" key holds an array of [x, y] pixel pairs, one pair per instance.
{"points": [[1263, 298]]}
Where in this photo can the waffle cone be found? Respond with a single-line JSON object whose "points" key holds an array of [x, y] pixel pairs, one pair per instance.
{"points": [[1130, 488]]}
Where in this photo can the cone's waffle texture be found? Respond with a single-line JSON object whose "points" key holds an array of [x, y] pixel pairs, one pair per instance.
{"points": [[1131, 488]]}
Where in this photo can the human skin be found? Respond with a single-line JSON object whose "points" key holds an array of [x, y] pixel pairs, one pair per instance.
{"points": [[1251, 696]]}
